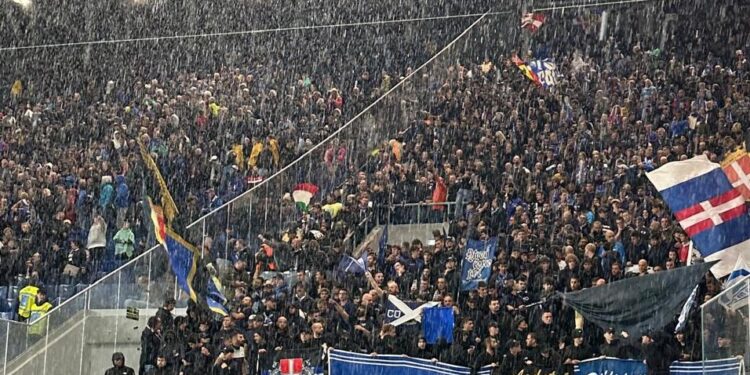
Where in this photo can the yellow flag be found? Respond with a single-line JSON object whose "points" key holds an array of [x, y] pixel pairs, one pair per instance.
{"points": [[17, 88], [170, 209]]}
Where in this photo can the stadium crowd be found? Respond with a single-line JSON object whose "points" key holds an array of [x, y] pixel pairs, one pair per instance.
{"points": [[557, 175]]}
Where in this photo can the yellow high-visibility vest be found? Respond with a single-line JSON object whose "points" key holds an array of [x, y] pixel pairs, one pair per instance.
{"points": [[26, 298]]}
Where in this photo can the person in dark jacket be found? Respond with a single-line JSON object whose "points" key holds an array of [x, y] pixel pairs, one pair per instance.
{"points": [[658, 353], [150, 344], [611, 346], [387, 342], [488, 356], [421, 350], [162, 367], [573, 354], [165, 314], [513, 359], [119, 368]]}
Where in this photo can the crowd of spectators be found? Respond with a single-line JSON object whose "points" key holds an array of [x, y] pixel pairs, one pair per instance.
{"points": [[558, 175]]}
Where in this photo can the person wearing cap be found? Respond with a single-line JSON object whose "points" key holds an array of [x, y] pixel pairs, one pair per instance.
{"points": [[657, 352], [118, 366], [611, 347], [575, 353]]}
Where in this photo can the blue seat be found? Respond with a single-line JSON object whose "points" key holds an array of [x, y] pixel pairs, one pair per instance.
{"points": [[13, 292], [6, 315], [3, 292], [65, 290], [51, 292], [81, 287], [11, 303]]}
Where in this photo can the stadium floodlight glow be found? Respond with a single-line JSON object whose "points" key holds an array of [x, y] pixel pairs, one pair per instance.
{"points": [[26, 4]]}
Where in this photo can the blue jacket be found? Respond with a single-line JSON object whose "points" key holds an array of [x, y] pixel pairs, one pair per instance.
{"points": [[106, 194], [122, 199]]}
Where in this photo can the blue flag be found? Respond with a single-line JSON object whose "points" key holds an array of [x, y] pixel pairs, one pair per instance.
{"points": [[355, 266], [437, 323], [477, 262]]}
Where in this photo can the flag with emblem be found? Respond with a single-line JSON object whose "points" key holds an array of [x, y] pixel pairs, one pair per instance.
{"points": [[710, 210], [737, 168], [532, 21], [526, 70]]}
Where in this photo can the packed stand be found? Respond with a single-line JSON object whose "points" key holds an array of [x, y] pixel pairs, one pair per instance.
{"points": [[558, 175], [71, 178]]}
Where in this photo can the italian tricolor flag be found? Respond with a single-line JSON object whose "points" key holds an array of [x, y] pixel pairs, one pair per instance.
{"points": [[302, 195]]}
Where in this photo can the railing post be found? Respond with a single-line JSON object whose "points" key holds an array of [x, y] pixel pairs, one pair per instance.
{"points": [[5, 355]]}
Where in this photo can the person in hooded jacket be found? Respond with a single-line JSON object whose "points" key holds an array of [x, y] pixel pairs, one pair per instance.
{"points": [[118, 366], [106, 198], [122, 199]]}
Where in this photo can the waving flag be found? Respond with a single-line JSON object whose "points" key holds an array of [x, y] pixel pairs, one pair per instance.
{"points": [[710, 210], [532, 21], [638, 304], [184, 259], [526, 70], [737, 168], [437, 324], [546, 72], [302, 195], [355, 266]]}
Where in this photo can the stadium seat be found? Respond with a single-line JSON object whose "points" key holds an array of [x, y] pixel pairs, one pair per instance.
{"points": [[6, 306], [81, 287], [13, 292], [3, 292], [7, 315], [51, 292], [65, 290]]}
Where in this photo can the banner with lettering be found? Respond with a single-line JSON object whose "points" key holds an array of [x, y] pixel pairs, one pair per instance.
{"points": [[345, 363], [477, 262], [610, 366]]}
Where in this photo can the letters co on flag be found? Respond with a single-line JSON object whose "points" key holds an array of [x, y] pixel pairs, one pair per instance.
{"points": [[708, 207]]}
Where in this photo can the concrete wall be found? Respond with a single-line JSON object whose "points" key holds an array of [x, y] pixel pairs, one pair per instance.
{"points": [[409, 232], [85, 345]]}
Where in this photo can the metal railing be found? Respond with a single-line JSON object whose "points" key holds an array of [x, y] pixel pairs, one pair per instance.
{"points": [[146, 280]]}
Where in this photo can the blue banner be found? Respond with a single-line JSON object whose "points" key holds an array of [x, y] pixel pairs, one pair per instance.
{"points": [[477, 262], [730, 366], [346, 363], [611, 366]]}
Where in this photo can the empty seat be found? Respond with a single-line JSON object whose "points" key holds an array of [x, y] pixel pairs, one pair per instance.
{"points": [[65, 290], [13, 292], [81, 287], [6, 315], [12, 303], [3, 292]]}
